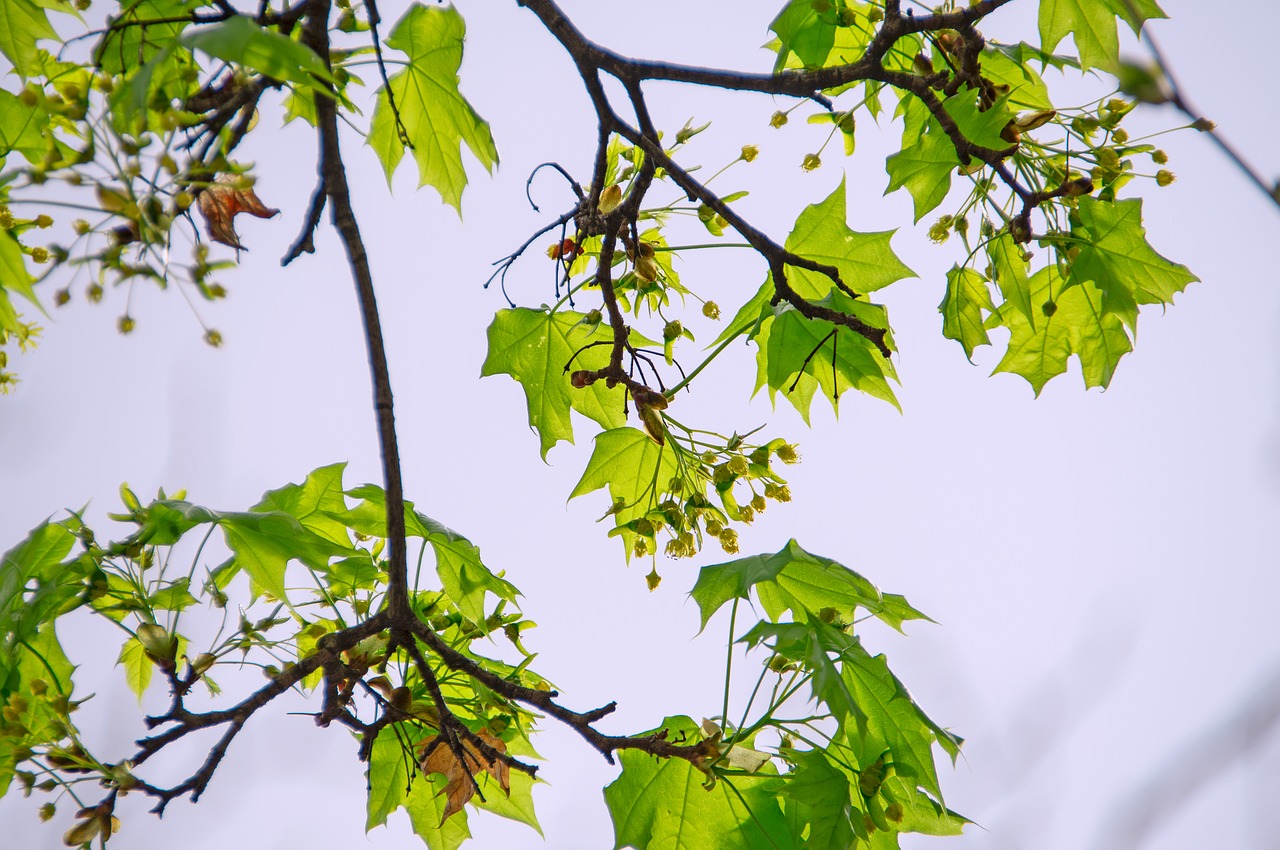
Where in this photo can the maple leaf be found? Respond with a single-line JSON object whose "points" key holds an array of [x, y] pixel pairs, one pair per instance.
{"points": [[222, 201], [436, 756]]}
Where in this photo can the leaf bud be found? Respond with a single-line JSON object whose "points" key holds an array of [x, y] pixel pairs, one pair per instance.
{"points": [[811, 162], [923, 64], [1164, 177], [582, 378], [610, 199], [778, 119], [711, 310], [161, 647], [749, 152], [688, 131]]}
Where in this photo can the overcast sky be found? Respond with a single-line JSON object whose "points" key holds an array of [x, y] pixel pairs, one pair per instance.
{"points": [[1102, 565]]}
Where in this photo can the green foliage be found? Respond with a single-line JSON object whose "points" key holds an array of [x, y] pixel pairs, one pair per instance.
{"points": [[143, 125], [430, 115]]}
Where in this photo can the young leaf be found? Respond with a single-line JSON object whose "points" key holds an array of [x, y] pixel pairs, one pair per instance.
{"points": [[924, 169], [22, 24], [632, 466], [314, 503], [533, 346], [138, 668], [434, 116], [815, 801], [1078, 325], [962, 306], [799, 355], [663, 804], [1011, 276], [240, 41], [466, 579], [1093, 25], [865, 260], [1116, 257]]}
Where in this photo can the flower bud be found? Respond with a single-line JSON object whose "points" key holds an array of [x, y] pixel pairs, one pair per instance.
{"points": [[811, 162], [1164, 177], [778, 119], [610, 199], [711, 310], [749, 152]]}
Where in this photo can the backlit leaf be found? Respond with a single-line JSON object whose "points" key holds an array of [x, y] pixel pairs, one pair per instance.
{"points": [[437, 120], [1093, 25], [962, 307], [661, 804], [534, 346]]}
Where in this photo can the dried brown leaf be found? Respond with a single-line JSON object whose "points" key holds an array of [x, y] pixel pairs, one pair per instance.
{"points": [[221, 202], [436, 756]]}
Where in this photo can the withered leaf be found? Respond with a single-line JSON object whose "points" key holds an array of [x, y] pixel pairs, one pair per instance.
{"points": [[222, 201], [435, 756]]}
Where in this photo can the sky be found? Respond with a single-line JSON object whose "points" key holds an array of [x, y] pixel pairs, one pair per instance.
{"points": [[1101, 565]]}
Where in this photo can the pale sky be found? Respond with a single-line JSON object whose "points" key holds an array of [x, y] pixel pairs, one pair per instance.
{"points": [[1101, 565]]}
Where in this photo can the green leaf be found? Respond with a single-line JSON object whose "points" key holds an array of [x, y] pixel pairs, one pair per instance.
{"points": [[811, 354], [174, 596], [865, 260], [22, 24], [799, 581], [369, 517], [1011, 275], [1026, 88], [1116, 257], [632, 466], [1093, 25], [34, 583], [389, 789], [815, 800], [137, 667], [980, 123], [240, 41], [133, 46], [894, 721], [921, 813], [314, 503], [13, 269], [22, 129], [661, 803], [924, 169], [466, 579], [533, 346], [435, 117], [1079, 325], [804, 33], [817, 647], [263, 541], [517, 805], [966, 298]]}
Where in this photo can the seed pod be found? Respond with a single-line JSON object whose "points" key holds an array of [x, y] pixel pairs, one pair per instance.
{"points": [[610, 199]]}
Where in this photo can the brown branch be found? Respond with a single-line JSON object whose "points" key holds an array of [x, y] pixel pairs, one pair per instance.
{"points": [[334, 176]]}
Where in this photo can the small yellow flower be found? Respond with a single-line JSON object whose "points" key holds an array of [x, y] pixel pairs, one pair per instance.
{"points": [[811, 161], [750, 152]]}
